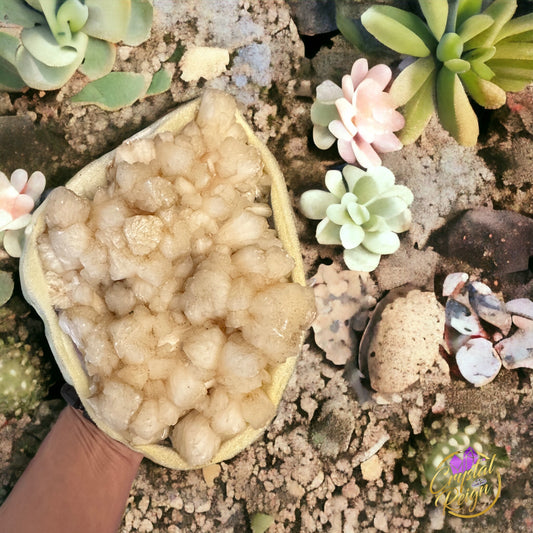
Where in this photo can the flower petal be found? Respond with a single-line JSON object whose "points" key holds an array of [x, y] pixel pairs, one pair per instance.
{"points": [[386, 242], [335, 183], [351, 235], [361, 260], [365, 154], [22, 205], [313, 203], [13, 242], [35, 186], [18, 223], [19, 178], [347, 87], [328, 233], [381, 74], [359, 71], [5, 219]]}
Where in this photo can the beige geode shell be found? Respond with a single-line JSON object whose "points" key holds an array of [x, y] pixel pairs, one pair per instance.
{"points": [[405, 342], [35, 288]]}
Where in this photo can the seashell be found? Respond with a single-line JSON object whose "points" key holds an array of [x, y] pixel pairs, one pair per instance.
{"points": [[489, 307], [477, 361], [517, 350], [460, 318], [454, 283], [520, 306]]}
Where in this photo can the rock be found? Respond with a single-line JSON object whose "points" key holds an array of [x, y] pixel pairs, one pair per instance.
{"points": [[405, 343], [372, 469], [313, 16]]}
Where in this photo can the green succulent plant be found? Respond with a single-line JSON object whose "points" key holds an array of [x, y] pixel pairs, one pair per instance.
{"points": [[24, 378], [363, 211], [59, 37], [461, 51]]}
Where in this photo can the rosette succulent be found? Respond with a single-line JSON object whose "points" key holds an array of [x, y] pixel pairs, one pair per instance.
{"points": [[363, 211], [458, 50], [361, 116], [59, 37], [17, 200]]}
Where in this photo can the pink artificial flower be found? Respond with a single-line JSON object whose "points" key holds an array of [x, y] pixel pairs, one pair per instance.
{"points": [[17, 200], [368, 116]]}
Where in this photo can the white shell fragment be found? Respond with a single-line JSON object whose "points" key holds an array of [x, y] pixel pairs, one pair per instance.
{"points": [[471, 309], [477, 362], [517, 350]]}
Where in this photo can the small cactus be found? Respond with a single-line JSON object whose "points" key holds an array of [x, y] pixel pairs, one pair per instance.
{"points": [[363, 212], [23, 384]]}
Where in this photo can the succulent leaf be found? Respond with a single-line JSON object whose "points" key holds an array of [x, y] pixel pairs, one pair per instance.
{"points": [[40, 76], [516, 27], [501, 12], [474, 26], [400, 30], [113, 91], [74, 13], [365, 189], [511, 50], [467, 9], [361, 260], [512, 69], [418, 111], [160, 83], [322, 113], [449, 47], [313, 203], [411, 79], [42, 45], [9, 77], [401, 222], [485, 93], [322, 137], [511, 85], [335, 183], [358, 213], [454, 109], [377, 223], [338, 214], [18, 12], [108, 21], [351, 235], [6, 286], [349, 29], [387, 207], [99, 58], [436, 14], [457, 65], [384, 242], [140, 22], [328, 232], [353, 174]]}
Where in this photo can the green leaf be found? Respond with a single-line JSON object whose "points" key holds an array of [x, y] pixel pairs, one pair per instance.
{"points": [[512, 69], [501, 12], [349, 29], [74, 13], [8, 47], [450, 47], [510, 50], [9, 78], [18, 12], [411, 79], [328, 233], [99, 58], [352, 175], [387, 207], [418, 111], [467, 9], [485, 93], [335, 183], [382, 176], [6, 286], [313, 203], [361, 260], [365, 189], [337, 214], [455, 112], [60, 29], [515, 27], [260, 522], [322, 114], [399, 191], [40, 76], [474, 26], [114, 91], [436, 14], [140, 22], [401, 222], [42, 45], [386, 242], [351, 235], [457, 65], [108, 20], [400, 30], [376, 223], [160, 82], [511, 85], [358, 213]]}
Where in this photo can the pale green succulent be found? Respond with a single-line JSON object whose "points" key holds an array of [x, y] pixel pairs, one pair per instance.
{"points": [[59, 37], [363, 211], [461, 51]]}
